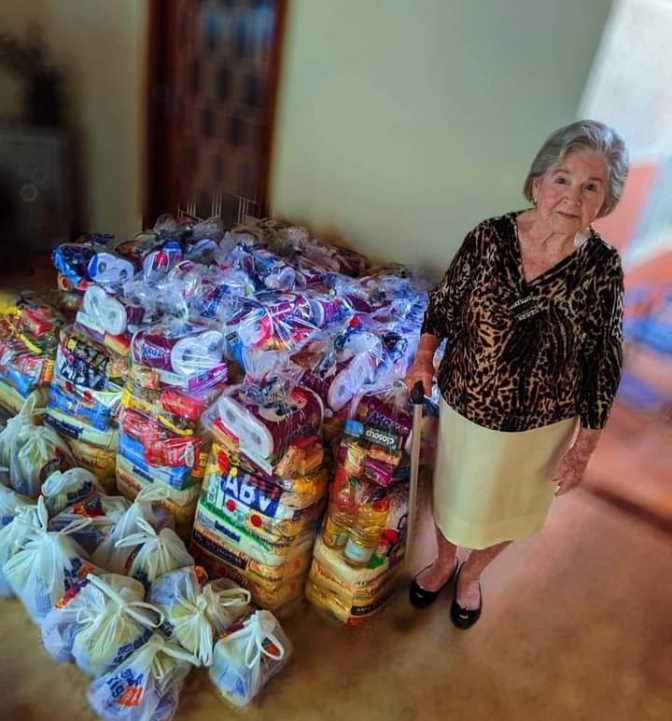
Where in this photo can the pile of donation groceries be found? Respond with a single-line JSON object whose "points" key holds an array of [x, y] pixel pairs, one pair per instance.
{"points": [[203, 426]]}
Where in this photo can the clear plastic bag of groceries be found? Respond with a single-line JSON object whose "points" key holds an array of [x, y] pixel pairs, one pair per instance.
{"points": [[269, 411], [66, 488], [24, 524], [267, 270], [270, 321], [99, 623], [195, 611], [181, 350], [319, 360], [360, 353], [145, 507], [32, 319], [47, 565], [247, 656], [104, 313], [144, 687], [154, 553], [22, 369]]}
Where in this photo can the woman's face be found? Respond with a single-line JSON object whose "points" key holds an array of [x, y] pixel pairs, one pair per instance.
{"points": [[570, 196]]}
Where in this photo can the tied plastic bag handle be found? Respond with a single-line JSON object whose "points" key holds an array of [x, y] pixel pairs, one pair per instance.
{"points": [[227, 597], [261, 628], [128, 607], [158, 644], [205, 644], [145, 534]]}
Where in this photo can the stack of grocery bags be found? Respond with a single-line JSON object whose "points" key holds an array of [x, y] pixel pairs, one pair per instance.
{"points": [[176, 373], [84, 401], [29, 326], [363, 537], [265, 484], [213, 377]]}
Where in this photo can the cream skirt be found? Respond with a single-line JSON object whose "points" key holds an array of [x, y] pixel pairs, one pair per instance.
{"points": [[494, 486]]}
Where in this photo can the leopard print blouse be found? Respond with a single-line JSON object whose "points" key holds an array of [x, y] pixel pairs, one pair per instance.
{"points": [[523, 355]]}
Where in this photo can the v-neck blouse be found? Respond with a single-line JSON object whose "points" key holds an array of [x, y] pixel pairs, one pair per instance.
{"points": [[519, 354]]}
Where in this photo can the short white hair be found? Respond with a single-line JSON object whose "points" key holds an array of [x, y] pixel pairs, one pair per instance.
{"points": [[584, 135]]}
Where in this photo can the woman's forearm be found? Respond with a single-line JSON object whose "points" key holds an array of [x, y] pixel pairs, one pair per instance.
{"points": [[585, 443], [427, 346]]}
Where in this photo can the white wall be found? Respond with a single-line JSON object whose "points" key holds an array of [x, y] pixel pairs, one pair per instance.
{"points": [[402, 123]]}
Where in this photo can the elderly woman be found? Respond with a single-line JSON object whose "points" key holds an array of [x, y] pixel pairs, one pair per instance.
{"points": [[531, 308]]}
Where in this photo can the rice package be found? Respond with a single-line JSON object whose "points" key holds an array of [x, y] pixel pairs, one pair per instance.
{"points": [[48, 564], [144, 687], [196, 611], [99, 623], [247, 656]]}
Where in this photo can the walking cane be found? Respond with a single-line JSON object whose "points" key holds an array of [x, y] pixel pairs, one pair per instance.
{"points": [[417, 398]]}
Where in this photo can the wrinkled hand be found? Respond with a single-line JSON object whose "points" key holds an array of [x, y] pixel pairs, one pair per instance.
{"points": [[422, 370], [570, 471]]}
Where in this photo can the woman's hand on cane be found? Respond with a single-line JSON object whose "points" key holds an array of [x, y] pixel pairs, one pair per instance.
{"points": [[421, 371]]}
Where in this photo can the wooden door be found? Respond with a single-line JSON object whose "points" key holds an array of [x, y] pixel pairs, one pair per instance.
{"points": [[214, 67]]}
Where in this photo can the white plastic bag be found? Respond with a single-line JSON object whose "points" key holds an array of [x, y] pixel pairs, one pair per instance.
{"points": [[31, 452], [146, 686], [10, 502], [9, 436], [48, 564], [117, 559], [65, 488], [195, 611], [39, 453], [101, 624], [24, 525], [247, 656], [154, 553]]}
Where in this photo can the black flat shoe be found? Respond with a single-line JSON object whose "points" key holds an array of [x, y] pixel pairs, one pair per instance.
{"points": [[420, 597], [465, 618]]}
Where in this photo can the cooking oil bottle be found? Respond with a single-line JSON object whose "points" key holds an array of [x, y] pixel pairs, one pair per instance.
{"points": [[340, 517], [365, 535]]}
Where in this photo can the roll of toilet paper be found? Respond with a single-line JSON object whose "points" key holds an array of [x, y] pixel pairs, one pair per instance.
{"points": [[110, 269], [350, 380], [184, 351], [266, 431], [109, 314]]}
